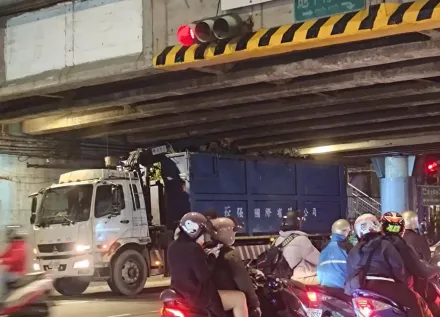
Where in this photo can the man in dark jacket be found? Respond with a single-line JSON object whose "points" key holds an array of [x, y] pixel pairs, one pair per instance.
{"points": [[230, 272], [191, 274], [393, 226], [413, 237], [386, 271]]}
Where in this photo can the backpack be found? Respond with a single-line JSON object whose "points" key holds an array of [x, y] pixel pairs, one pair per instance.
{"points": [[272, 261]]}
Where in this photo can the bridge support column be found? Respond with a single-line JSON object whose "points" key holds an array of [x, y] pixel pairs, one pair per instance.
{"points": [[395, 174]]}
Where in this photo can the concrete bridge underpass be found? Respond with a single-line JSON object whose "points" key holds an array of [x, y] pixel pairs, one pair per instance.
{"points": [[371, 95]]}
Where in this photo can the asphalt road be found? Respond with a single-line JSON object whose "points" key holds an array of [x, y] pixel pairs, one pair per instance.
{"points": [[106, 304]]}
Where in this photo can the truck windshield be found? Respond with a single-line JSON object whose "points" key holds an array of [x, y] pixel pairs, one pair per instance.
{"points": [[65, 205]]}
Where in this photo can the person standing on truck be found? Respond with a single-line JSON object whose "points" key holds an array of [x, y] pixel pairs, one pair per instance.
{"points": [[413, 237], [230, 271], [332, 268], [191, 270], [300, 253]]}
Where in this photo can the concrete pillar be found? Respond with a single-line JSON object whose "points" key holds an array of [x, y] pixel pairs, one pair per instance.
{"points": [[395, 182]]}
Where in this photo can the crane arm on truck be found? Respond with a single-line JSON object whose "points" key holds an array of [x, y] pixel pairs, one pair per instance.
{"points": [[145, 157]]}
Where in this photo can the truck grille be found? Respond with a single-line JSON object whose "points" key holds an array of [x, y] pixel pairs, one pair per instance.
{"points": [[56, 247]]}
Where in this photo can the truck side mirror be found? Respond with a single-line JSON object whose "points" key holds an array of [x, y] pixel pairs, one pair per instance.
{"points": [[117, 199], [33, 210]]}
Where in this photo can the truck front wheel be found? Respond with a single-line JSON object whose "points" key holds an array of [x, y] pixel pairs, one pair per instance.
{"points": [[129, 273], [71, 286]]}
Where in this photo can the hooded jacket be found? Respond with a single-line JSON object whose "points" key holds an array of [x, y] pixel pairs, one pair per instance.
{"points": [[191, 276], [300, 253], [386, 261], [332, 268]]}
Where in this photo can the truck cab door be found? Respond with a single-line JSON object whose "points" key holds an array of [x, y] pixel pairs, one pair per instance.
{"points": [[112, 223]]}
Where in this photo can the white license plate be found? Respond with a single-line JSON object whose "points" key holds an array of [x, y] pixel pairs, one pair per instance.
{"points": [[54, 264], [312, 312]]}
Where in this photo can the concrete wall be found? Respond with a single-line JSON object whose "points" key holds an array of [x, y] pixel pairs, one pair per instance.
{"points": [[99, 41], [71, 34]]}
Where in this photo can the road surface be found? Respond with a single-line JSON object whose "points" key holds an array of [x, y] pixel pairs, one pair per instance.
{"points": [[106, 304]]}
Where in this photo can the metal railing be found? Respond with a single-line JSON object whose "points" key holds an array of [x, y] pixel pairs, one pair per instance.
{"points": [[360, 203]]}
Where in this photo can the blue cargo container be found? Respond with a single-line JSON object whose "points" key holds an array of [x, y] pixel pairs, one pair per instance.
{"points": [[256, 191]]}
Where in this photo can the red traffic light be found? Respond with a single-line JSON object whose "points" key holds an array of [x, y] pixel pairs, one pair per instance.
{"points": [[432, 167], [186, 35]]}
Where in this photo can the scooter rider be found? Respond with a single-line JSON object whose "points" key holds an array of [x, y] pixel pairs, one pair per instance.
{"points": [[230, 272], [332, 268], [12, 260], [300, 253], [375, 264], [191, 270], [393, 226], [413, 237]]}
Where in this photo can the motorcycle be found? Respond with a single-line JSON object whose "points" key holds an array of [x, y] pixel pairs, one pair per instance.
{"points": [[369, 304], [28, 296], [321, 301]]}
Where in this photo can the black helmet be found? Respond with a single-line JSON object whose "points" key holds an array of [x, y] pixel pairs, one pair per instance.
{"points": [[392, 223], [195, 224], [291, 221]]}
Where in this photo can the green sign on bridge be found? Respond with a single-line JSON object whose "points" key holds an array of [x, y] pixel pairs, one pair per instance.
{"points": [[315, 9]]}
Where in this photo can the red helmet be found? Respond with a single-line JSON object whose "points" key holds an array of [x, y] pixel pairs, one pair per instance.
{"points": [[392, 223]]}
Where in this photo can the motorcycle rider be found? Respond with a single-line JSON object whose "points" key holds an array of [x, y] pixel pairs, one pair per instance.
{"points": [[191, 270], [12, 260], [332, 268], [393, 226], [375, 264], [413, 237], [300, 253], [230, 272]]}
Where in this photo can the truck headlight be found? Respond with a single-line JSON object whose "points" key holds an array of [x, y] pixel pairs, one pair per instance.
{"points": [[84, 264], [82, 247], [37, 267]]}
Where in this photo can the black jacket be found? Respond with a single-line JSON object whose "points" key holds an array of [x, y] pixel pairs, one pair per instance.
{"points": [[231, 274], [386, 260], [191, 276], [413, 263], [419, 244]]}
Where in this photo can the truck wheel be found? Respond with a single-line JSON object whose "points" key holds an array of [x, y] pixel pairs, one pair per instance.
{"points": [[129, 273], [71, 286], [112, 286]]}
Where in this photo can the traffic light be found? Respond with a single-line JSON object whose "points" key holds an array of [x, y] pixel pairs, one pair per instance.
{"points": [[211, 29], [431, 172]]}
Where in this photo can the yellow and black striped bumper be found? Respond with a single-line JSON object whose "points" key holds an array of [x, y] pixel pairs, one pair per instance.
{"points": [[377, 21]]}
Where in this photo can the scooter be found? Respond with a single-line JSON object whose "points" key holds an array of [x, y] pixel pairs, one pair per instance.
{"points": [[28, 296], [369, 304], [320, 301]]}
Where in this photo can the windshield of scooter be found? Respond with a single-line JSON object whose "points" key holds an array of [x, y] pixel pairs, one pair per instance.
{"points": [[65, 205]]}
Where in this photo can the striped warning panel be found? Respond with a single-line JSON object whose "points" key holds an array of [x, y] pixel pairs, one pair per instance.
{"points": [[377, 21], [251, 252]]}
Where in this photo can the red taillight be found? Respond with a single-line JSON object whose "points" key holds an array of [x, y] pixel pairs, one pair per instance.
{"points": [[186, 35], [364, 306], [313, 297], [171, 312]]}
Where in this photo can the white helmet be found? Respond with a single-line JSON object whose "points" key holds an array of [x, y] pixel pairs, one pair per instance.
{"points": [[367, 223], [411, 220]]}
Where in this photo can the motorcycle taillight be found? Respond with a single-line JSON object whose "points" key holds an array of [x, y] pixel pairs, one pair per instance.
{"points": [[367, 307], [171, 312], [313, 297]]}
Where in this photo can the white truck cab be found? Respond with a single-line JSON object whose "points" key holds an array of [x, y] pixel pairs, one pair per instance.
{"points": [[91, 226]]}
